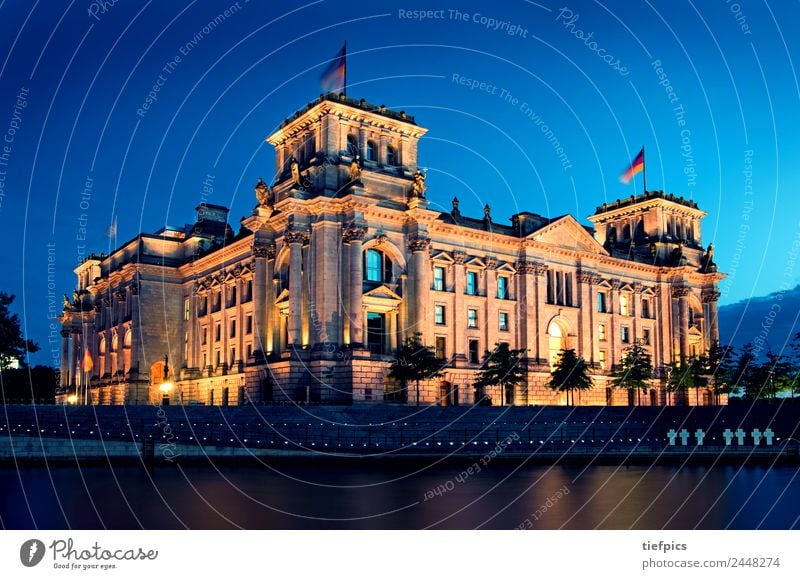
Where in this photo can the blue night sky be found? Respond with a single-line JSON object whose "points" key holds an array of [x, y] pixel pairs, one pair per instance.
{"points": [[709, 88]]}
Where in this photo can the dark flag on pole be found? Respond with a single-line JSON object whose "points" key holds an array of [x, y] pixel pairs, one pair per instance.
{"points": [[637, 166], [334, 78]]}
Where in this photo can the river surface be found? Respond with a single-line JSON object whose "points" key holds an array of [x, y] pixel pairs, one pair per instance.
{"points": [[359, 494]]}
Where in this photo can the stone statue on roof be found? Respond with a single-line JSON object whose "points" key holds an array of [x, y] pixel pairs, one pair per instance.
{"points": [[263, 194], [418, 187]]}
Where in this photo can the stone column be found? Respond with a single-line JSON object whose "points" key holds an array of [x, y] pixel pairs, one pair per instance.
{"points": [[63, 379], [391, 330], [711, 314], [295, 239], [615, 337], [586, 314], [460, 310], [492, 321], [682, 294], [354, 235], [260, 290], [540, 331], [419, 245], [636, 311]]}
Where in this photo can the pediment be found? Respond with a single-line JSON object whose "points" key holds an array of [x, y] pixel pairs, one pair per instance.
{"points": [[382, 292], [567, 233], [507, 267], [442, 256], [475, 262]]}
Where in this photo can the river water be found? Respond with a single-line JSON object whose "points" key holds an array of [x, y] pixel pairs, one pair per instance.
{"points": [[359, 494]]}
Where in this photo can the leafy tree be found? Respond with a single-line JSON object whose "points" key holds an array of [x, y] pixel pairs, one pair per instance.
{"points": [[745, 373], [679, 379], [636, 370], [698, 368], [720, 365], [414, 361], [28, 385], [777, 373], [13, 346], [570, 373], [503, 367]]}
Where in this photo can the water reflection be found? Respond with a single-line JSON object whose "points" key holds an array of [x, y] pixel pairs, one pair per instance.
{"points": [[401, 495]]}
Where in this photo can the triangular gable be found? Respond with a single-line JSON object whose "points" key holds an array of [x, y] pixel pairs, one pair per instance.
{"points": [[442, 256], [507, 267], [475, 262], [648, 292], [626, 287], [382, 292], [566, 232], [604, 283]]}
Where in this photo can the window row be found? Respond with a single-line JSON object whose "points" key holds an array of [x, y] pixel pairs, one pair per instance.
{"points": [[215, 300], [248, 329], [440, 318], [625, 334], [559, 287], [473, 349], [625, 306], [232, 359], [391, 156], [472, 288]]}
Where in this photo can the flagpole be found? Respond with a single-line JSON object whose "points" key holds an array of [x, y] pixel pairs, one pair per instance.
{"points": [[644, 172]]}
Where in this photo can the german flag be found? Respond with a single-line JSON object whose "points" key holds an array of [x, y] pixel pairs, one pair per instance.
{"points": [[637, 166], [334, 78], [87, 361]]}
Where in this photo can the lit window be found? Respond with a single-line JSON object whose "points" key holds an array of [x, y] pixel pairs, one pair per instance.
{"points": [[439, 315], [625, 334], [438, 278], [441, 347], [378, 266], [472, 318], [472, 283], [602, 359], [186, 304], [502, 287], [503, 322], [623, 305], [601, 332]]}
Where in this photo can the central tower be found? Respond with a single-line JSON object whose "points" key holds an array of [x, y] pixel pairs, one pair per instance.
{"points": [[335, 142]]}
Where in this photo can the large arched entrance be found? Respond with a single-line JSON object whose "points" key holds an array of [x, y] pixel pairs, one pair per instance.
{"points": [[557, 342], [162, 382]]}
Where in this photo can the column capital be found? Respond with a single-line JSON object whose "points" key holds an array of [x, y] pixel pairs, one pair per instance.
{"points": [[711, 297], [491, 262], [418, 243], [264, 250], [65, 333], [538, 269], [294, 234], [354, 232], [459, 257], [588, 277], [680, 292]]}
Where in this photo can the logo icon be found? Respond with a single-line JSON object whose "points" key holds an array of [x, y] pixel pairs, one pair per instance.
{"points": [[32, 552]]}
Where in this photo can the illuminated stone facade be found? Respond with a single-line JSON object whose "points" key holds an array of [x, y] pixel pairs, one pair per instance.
{"points": [[342, 259]]}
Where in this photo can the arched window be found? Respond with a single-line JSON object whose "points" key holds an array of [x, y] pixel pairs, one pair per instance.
{"points": [[372, 151], [556, 342], [102, 345], [352, 145], [114, 342], [377, 266], [391, 156]]}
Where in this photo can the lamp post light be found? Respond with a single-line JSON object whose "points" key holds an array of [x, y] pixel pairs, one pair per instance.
{"points": [[167, 385], [72, 399]]}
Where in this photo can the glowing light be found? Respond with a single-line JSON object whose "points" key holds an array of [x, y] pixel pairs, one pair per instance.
{"points": [[166, 386], [72, 398]]}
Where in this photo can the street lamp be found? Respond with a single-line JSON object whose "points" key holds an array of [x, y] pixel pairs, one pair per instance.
{"points": [[166, 385], [72, 399]]}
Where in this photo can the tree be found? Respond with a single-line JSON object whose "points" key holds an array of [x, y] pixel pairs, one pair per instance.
{"points": [[720, 361], [636, 370], [503, 367], [414, 361], [776, 374], [570, 373], [679, 378], [745, 373], [26, 385], [13, 346]]}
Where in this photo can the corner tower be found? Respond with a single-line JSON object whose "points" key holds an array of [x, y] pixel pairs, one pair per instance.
{"points": [[336, 142]]}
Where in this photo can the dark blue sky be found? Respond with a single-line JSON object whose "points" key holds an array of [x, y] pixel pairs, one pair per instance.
{"points": [[722, 99]]}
